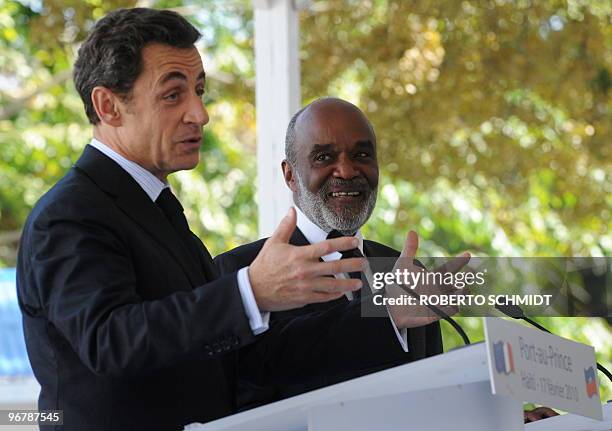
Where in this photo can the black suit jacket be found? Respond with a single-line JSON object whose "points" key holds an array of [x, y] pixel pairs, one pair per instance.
{"points": [[126, 330], [422, 342]]}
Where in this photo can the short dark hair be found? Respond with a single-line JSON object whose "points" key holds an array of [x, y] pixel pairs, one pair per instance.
{"points": [[111, 56], [290, 154]]}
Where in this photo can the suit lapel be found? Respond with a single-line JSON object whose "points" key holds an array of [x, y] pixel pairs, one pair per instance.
{"points": [[373, 249], [137, 205], [206, 260], [368, 249]]}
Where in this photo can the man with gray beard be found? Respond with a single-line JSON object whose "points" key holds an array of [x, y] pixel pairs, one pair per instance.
{"points": [[332, 170]]}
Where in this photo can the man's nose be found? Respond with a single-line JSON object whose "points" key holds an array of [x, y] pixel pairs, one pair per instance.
{"points": [[345, 168], [196, 112]]}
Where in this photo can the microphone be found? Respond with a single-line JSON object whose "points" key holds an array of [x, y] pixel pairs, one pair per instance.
{"points": [[443, 316], [516, 312], [452, 322]]}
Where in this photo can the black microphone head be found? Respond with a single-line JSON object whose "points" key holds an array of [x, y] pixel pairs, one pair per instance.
{"points": [[513, 311]]}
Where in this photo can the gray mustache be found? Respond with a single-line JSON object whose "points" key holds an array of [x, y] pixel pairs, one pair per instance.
{"points": [[358, 184]]}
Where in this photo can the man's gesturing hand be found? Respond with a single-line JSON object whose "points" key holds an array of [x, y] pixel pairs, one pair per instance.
{"points": [[538, 413], [284, 276], [410, 316]]}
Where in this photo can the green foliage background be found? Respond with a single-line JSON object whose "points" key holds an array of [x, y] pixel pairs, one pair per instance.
{"points": [[493, 121]]}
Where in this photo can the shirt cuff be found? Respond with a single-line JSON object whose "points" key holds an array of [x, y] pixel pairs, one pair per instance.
{"points": [[258, 321], [402, 334]]}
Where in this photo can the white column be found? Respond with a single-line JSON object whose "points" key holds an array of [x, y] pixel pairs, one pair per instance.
{"points": [[277, 95]]}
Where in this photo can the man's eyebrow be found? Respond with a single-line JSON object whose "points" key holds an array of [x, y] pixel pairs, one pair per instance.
{"points": [[321, 147], [173, 75], [366, 143], [181, 76]]}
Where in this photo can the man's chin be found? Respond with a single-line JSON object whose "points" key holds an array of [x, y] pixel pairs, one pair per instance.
{"points": [[345, 218], [188, 162], [345, 205]]}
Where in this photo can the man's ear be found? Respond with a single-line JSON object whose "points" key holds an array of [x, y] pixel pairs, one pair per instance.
{"points": [[106, 103], [288, 174]]}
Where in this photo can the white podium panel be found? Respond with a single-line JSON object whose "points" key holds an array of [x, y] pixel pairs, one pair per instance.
{"points": [[451, 386], [460, 407]]}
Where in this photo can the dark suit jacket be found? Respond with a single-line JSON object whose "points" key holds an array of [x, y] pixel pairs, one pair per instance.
{"points": [[422, 342], [126, 330]]}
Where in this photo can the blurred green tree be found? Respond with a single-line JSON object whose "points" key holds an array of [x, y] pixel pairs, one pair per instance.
{"points": [[497, 114]]}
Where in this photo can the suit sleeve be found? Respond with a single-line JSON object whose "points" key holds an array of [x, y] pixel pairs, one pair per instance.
{"points": [[76, 272], [231, 261], [225, 264]]}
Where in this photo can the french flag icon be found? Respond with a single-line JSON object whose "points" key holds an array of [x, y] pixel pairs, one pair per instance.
{"points": [[504, 361]]}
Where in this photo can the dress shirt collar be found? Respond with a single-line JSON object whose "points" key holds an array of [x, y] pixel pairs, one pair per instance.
{"points": [[315, 234], [152, 185]]}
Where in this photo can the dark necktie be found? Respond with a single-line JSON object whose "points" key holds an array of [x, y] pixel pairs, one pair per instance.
{"points": [[346, 255], [173, 210]]}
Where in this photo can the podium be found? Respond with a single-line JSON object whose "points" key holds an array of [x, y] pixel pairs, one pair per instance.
{"points": [[449, 391]]}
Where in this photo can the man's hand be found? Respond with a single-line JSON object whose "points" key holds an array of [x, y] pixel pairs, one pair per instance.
{"points": [[284, 276], [538, 413], [410, 316]]}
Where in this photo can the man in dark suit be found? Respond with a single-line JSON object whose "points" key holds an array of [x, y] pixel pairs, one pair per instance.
{"points": [[127, 322], [332, 170]]}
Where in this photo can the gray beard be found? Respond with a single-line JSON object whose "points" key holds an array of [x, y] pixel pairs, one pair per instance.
{"points": [[315, 208]]}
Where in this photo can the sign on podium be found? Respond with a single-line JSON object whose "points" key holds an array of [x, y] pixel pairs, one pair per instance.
{"points": [[449, 391]]}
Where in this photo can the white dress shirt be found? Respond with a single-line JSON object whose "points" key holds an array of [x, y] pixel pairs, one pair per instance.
{"points": [[315, 234], [153, 186]]}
